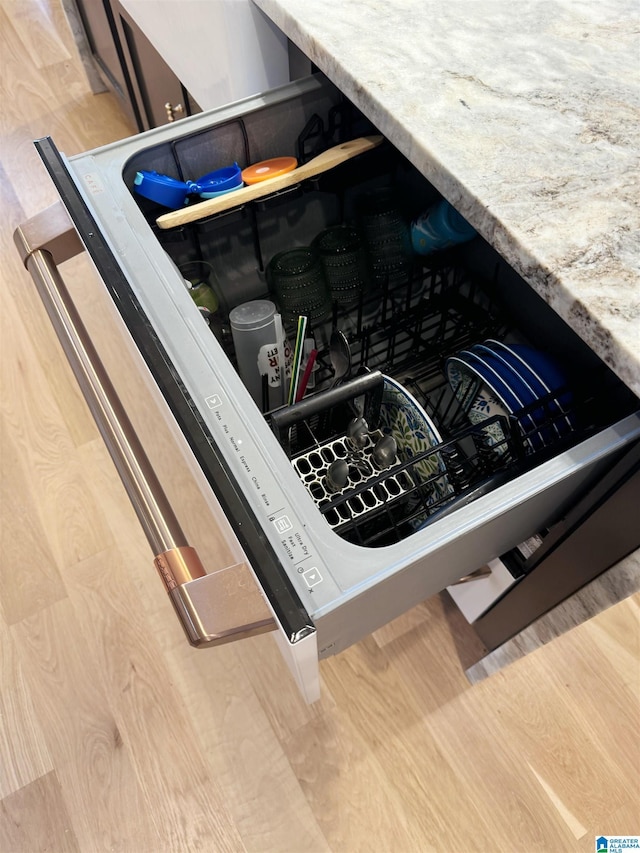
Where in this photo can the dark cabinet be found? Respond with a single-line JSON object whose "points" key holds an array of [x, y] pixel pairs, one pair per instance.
{"points": [[131, 67], [98, 23], [159, 95]]}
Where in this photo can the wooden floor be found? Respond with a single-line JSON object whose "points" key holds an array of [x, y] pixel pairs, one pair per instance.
{"points": [[116, 736]]}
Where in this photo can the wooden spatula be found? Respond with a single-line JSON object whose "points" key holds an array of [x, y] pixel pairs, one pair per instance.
{"points": [[322, 163]]}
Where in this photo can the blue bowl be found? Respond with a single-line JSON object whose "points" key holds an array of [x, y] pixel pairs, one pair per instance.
{"points": [[218, 182], [172, 193], [163, 189]]}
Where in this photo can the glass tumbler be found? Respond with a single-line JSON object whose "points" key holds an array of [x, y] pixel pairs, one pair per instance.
{"points": [[388, 240], [296, 279], [344, 260]]}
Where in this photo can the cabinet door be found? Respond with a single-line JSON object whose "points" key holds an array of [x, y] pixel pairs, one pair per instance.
{"points": [[100, 29], [159, 94]]}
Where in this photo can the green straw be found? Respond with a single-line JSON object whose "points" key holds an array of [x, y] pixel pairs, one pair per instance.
{"points": [[297, 359]]}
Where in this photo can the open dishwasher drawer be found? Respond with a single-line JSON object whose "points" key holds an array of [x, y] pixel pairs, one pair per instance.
{"points": [[340, 533]]}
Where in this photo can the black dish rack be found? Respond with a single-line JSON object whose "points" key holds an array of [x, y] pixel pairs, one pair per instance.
{"points": [[407, 333]]}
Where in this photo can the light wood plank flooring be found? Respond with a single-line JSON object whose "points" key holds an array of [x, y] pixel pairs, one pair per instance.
{"points": [[116, 736]]}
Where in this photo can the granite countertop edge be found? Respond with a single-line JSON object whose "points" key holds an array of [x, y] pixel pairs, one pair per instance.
{"points": [[592, 283]]}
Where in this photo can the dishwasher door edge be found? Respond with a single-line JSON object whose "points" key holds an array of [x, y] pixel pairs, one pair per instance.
{"points": [[214, 607]]}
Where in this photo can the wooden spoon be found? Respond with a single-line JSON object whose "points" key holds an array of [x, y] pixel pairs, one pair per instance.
{"points": [[322, 163]]}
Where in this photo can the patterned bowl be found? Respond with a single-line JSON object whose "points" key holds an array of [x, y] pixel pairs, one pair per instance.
{"points": [[480, 400], [404, 418]]}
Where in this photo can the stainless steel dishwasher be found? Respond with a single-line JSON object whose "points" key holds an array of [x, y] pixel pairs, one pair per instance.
{"points": [[324, 567]]}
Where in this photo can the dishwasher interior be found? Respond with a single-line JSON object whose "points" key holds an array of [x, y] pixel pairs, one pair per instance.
{"points": [[404, 325]]}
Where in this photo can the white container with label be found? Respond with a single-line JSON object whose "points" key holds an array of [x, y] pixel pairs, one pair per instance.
{"points": [[252, 327]]}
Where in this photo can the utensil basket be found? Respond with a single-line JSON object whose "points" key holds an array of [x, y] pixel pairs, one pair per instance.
{"points": [[407, 334]]}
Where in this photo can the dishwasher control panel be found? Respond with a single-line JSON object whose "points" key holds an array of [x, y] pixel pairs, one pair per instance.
{"points": [[275, 513]]}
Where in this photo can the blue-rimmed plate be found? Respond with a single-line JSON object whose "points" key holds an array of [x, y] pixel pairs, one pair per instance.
{"points": [[493, 376], [524, 392], [512, 393], [480, 398], [545, 376]]}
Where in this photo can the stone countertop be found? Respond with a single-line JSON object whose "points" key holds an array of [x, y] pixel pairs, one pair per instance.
{"points": [[526, 116]]}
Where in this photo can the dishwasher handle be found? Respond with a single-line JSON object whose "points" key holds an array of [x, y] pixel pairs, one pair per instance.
{"points": [[214, 608], [368, 385]]}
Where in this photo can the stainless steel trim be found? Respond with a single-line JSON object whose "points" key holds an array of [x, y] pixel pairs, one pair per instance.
{"points": [[237, 608], [156, 516], [482, 572]]}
